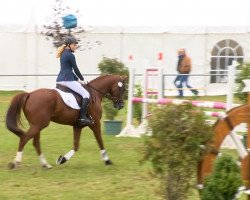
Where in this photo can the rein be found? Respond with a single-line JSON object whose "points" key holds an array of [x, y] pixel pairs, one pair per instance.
{"points": [[108, 96]]}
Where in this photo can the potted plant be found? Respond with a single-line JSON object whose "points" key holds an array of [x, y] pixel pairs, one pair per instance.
{"points": [[112, 126]]}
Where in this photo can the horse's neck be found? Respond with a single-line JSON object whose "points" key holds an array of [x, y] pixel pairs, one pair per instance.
{"points": [[103, 85]]}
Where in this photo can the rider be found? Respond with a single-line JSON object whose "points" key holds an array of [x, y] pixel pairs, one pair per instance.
{"points": [[70, 79]]}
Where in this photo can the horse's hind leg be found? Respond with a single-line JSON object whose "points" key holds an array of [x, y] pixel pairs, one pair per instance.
{"points": [[36, 144], [32, 132], [66, 157]]}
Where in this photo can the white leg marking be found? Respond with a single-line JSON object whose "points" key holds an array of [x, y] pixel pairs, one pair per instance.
{"points": [[18, 158], [69, 154], [104, 155], [44, 162], [199, 186]]}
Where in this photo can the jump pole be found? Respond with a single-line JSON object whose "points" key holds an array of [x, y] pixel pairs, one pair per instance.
{"points": [[231, 84], [205, 104], [158, 72], [129, 129]]}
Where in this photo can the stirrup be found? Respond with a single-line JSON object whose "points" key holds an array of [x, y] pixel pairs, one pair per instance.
{"points": [[83, 122]]}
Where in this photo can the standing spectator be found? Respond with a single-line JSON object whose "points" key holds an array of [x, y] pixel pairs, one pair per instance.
{"points": [[184, 68]]}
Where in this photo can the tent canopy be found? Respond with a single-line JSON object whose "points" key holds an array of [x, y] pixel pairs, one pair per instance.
{"points": [[150, 13]]}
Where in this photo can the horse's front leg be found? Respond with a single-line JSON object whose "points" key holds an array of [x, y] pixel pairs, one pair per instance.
{"points": [[96, 128], [67, 156]]}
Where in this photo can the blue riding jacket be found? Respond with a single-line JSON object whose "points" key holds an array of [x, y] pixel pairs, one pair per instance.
{"points": [[68, 65]]}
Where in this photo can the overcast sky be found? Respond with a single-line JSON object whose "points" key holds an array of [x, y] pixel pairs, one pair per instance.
{"points": [[135, 12]]}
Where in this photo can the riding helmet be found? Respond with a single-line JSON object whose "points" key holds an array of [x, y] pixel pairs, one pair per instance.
{"points": [[70, 40]]}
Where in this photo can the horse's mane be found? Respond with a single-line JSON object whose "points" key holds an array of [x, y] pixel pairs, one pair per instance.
{"points": [[102, 76]]}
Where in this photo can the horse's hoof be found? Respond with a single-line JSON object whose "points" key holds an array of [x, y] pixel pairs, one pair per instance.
{"points": [[108, 162], [47, 166], [12, 165], [61, 160]]}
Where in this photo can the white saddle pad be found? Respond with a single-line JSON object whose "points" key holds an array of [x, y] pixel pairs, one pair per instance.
{"points": [[69, 99]]}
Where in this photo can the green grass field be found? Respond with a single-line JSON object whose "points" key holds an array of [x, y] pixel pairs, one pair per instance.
{"points": [[83, 177]]}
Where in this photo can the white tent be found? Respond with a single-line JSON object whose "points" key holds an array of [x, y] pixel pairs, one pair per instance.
{"points": [[27, 52]]}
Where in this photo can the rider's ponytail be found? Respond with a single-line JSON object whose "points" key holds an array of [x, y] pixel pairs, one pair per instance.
{"points": [[60, 50]]}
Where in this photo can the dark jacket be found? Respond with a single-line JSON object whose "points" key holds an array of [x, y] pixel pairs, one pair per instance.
{"points": [[68, 65]]}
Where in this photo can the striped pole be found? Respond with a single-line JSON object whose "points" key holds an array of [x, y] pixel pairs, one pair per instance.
{"points": [[205, 104], [220, 114]]}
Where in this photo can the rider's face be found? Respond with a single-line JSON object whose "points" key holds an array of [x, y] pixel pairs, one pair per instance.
{"points": [[73, 46]]}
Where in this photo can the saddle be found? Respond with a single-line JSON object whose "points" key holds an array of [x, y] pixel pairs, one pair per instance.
{"points": [[68, 90]]}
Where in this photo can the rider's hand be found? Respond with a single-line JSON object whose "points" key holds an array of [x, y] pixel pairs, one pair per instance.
{"points": [[82, 82]]}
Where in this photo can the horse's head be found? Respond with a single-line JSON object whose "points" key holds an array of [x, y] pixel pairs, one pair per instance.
{"points": [[117, 92], [111, 87]]}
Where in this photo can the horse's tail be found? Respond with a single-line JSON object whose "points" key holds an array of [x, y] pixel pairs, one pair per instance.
{"points": [[13, 116]]}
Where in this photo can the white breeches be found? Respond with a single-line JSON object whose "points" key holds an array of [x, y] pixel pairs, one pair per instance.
{"points": [[75, 86]]}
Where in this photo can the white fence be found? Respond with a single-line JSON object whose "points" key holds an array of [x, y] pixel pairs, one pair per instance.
{"points": [[31, 53]]}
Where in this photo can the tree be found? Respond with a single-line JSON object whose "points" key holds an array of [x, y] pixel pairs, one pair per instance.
{"points": [[178, 132], [111, 66], [54, 29]]}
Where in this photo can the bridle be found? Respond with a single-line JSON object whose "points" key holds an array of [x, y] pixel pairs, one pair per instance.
{"points": [[108, 95]]}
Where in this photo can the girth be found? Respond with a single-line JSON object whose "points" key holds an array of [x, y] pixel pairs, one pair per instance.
{"points": [[68, 90]]}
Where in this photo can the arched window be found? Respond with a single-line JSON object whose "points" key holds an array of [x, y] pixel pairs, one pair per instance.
{"points": [[223, 53]]}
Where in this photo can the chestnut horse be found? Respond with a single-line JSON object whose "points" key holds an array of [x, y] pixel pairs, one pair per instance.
{"points": [[44, 105]]}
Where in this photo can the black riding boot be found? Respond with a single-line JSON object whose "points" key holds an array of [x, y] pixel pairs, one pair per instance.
{"points": [[83, 118]]}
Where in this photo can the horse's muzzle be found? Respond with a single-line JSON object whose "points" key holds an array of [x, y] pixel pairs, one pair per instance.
{"points": [[118, 105]]}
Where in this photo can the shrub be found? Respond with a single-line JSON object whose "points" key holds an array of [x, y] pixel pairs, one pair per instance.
{"points": [[137, 107], [54, 30], [244, 74], [178, 131], [224, 181]]}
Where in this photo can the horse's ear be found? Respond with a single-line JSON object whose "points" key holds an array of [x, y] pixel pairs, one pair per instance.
{"points": [[124, 78]]}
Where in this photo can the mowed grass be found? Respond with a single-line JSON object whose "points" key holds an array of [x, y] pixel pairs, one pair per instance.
{"points": [[83, 177]]}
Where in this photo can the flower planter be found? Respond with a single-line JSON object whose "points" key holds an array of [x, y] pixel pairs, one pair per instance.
{"points": [[112, 127]]}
